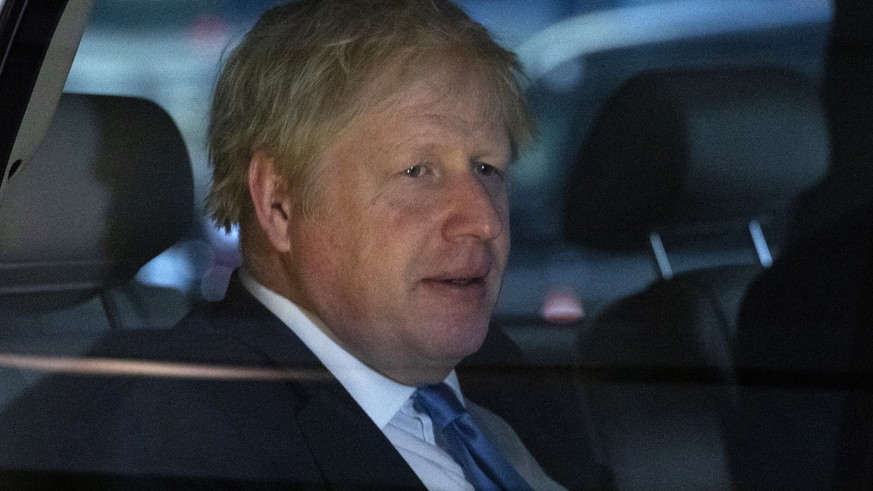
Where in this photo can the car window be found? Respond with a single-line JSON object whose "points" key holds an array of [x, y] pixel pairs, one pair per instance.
{"points": [[696, 169], [570, 74]]}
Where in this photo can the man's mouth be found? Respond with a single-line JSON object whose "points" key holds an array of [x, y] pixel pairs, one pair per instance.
{"points": [[472, 278], [460, 281]]}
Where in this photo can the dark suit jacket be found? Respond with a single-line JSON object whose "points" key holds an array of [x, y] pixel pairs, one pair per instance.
{"points": [[306, 432]]}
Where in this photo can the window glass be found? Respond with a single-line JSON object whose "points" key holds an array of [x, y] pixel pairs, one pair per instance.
{"points": [[575, 52], [662, 185]]}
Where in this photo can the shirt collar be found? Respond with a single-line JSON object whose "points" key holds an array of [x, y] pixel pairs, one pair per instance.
{"points": [[379, 396]]}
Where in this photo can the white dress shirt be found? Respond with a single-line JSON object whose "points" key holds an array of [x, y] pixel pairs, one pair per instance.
{"points": [[388, 404]]}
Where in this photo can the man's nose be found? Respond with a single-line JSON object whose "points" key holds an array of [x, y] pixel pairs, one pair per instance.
{"points": [[473, 210]]}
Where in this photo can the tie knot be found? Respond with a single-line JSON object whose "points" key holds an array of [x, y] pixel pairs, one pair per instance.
{"points": [[439, 402]]}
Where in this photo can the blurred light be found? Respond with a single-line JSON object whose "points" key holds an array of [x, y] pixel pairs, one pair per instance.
{"points": [[565, 77], [209, 32], [179, 266], [120, 367], [512, 21], [219, 238], [214, 283], [226, 258], [562, 307], [660, 22]]}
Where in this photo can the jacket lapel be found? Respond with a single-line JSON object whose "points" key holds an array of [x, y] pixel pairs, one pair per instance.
{"points": [[347, 446]]}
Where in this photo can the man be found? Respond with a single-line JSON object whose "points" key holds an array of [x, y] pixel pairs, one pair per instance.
{"points": [[363, 148]]}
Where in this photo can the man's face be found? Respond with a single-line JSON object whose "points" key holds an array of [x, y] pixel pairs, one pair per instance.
{"points": [[404, 257]]}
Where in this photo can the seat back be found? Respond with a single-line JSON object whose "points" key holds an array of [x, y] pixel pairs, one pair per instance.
{"points": [[109, 188], [695, 166]]}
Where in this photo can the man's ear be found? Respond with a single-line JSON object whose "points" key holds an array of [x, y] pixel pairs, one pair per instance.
{"points": [[271, 200]]}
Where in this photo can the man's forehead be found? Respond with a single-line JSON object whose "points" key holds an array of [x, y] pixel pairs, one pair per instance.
{"points": [[446, 89], [429, 118], [440, 70]]}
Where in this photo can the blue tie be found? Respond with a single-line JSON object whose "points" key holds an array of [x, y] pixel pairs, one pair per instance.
{"points": [[484, 465]]}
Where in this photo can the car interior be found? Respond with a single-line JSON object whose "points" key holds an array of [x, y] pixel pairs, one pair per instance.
{"points": [[683, 170]]}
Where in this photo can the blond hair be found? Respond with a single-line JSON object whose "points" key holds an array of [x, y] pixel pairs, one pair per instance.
{"points": [[299, 76]]}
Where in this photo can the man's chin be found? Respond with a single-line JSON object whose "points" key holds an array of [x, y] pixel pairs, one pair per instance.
{"points": [[465, 344]]}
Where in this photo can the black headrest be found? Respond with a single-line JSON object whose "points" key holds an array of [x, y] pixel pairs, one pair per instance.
{"points": [[109, 188], [694, 148]]}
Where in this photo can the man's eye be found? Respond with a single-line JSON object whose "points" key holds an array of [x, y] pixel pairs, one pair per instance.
{"points": [[413, 171], [487, 170]]}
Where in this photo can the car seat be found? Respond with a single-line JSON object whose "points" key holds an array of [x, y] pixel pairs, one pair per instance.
{"points": [[804, 344], [109, 188], [698, 167]]}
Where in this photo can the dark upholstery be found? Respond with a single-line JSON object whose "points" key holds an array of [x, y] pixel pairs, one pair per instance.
{"points": [[695, 157], [806, 325], [109, 189], [689, 149]]}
